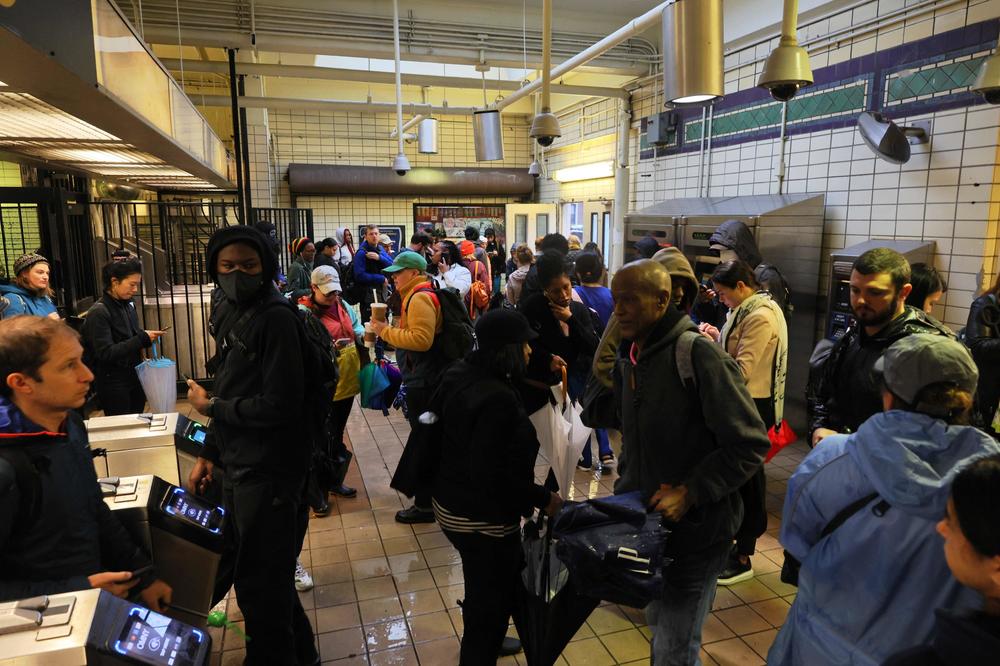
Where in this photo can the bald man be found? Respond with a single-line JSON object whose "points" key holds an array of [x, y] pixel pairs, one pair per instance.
{"points": [[687, 449]]}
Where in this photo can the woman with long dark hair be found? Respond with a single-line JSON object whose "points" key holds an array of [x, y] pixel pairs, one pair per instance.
{"points": [[485, 479], [756, 336], [928, 287], [115, 341]]}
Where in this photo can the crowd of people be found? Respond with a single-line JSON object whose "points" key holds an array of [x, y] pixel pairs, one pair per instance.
{"points": [[902, 429]]}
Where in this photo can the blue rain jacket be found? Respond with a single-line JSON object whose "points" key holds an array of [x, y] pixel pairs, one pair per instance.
{"points": [[20, 302], [870, 588]]}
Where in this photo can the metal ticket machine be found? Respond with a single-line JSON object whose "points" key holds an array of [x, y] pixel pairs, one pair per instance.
{"points": [[95, 628], [182, 533]]}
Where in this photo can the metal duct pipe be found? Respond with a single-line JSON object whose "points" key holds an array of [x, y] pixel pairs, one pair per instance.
{"points": [[427, 136], [329, 105], [338, 74], [306, 179], [630, 29]]}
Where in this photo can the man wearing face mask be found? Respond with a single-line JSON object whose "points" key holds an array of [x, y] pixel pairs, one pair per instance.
{"points": [[257, 436]]}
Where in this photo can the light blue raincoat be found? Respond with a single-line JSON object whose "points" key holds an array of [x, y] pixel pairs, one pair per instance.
{"points": [[870, 588]]}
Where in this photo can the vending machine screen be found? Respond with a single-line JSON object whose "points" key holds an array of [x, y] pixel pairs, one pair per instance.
{"points": [[194, 510], [151, 638]]}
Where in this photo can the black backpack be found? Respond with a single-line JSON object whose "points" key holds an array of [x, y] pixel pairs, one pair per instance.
{"points": [[457, 337], [319, 358]]}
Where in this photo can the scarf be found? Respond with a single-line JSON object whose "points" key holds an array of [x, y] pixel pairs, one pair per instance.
{"points": [[779, 370]]}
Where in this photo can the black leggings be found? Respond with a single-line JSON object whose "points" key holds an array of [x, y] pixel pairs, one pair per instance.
{"points": [[339, 414], [754, 494], [120, 393], [490, 566]]}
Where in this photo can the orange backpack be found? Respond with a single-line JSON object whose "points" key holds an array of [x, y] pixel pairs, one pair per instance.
{"points": [[479, 297]]}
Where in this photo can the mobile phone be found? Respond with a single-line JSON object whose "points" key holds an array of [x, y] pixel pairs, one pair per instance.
{"points": [[138, 573]]}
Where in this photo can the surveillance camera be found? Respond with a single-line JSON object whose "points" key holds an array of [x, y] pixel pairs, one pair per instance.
{"points": [[401, 165], [991, 95], [783, 91], [545, 141], [545, 129]]}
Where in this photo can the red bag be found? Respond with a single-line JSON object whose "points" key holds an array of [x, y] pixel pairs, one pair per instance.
{"points": [[780, 436]]}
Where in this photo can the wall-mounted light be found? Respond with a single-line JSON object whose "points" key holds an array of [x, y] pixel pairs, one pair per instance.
{"points": [[787, 68], [692, 51], [585, 172], [487, 135], [427, 136]]}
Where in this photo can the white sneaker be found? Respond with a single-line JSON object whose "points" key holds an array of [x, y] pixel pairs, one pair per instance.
{"points": [[303, 581]]}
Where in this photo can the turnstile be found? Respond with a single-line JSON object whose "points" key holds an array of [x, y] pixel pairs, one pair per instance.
{"points": [[95, 628], [135, 444], [182, 533]]}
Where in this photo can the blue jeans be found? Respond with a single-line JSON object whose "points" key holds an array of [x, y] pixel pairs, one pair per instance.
{"points": [[689, 584]]}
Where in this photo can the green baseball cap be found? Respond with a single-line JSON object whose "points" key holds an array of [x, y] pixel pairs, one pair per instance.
{"points": [[404, 260]]}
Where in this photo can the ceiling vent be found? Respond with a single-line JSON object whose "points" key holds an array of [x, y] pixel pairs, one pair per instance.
{"points": [[80, 91]]}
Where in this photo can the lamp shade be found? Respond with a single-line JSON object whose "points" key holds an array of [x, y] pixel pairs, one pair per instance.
{"points": [[692, 52], [427, 136], [487, 133]]}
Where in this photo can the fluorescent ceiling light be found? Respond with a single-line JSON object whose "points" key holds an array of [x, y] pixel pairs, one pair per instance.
{"points": [[2, 84], [25, 116], [585, 172], [414, 67]]}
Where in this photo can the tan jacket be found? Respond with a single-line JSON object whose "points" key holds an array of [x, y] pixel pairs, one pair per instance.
{"points": [[753, 344]]}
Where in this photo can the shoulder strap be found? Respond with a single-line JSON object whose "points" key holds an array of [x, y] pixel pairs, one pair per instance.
{"points": [[852, 509], [427, 288], [234, 336], [685, 366]]}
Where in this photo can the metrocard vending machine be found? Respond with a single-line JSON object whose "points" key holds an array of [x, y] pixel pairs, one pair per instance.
{"points": [[182, 533], [95, 628]]}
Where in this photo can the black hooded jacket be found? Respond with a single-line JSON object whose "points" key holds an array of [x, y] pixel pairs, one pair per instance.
{"points": [[982, 335], [257, 417], [847, 392]]}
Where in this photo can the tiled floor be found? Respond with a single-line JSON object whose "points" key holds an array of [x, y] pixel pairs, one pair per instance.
{"points": [[388, 593]]}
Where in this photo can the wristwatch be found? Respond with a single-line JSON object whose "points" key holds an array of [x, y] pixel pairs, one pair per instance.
{"points": [[211, 406]]}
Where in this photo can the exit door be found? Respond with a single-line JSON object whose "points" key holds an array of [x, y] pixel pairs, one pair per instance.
{"points": [[597, 227], [526, 222]]}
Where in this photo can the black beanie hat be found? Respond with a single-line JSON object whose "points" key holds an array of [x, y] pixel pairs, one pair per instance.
{"points": [[242, 234], [497, 328]]}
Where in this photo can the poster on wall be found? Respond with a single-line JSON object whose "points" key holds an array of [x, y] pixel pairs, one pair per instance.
{"points": [[454, 218], [395, 232]]}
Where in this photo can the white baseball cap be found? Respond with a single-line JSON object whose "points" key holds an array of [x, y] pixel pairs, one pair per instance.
{"points": [[326, 279]]}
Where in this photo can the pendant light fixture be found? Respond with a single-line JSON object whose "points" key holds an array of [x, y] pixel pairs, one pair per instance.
{"points": [[787, 68], [692, 52], [427, 136]]}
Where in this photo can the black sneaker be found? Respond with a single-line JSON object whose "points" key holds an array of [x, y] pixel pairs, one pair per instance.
{"points": [[413, 515], [735, 571], [344, 491]]}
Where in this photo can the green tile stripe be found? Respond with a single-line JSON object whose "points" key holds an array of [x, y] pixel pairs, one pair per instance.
{"points": [[936, 80], [841, 100]]}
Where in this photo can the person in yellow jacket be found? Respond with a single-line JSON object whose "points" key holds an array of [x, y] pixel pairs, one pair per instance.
{"points": [[419, 322]]}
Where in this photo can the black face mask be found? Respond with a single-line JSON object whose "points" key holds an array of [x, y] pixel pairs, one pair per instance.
{"points": [[240, 287]]}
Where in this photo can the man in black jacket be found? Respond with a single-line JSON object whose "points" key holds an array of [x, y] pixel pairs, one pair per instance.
{"points": [[257, 436], [847, 390], [688, 447], [56, 532]]}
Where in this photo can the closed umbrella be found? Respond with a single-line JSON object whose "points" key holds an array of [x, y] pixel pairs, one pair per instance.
{"points": [[158, 376]]}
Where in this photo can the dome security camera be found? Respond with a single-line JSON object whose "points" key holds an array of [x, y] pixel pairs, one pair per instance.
{"points": [[401, 165], [786, 72], [987, 81], [545, 129]]}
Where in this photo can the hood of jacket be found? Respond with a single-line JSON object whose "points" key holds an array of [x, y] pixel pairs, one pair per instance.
{"points": [[912, 458], [677, 265], [14, 422], [737, 237], [339, 235], [250, 236], [12, 288]]}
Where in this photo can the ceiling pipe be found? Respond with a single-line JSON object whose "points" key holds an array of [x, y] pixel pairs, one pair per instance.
{"points": [[630, 29], [545, 126], [399, 164], [365, 76], [327, 105], [415, 120]]}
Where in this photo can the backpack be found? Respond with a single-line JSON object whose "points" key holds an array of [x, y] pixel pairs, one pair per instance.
{"points": [[457, 337], [29, 487], [682, 354], [772, 281], [478, 297], [319, 358]]}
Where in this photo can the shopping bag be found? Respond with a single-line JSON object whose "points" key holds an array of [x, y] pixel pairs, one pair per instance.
{"points": [[158, 376], [781, 436], [349, 364]]}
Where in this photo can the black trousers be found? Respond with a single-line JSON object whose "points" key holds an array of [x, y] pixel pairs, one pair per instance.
{"points": [[338, 424], [754, 494], [491, 568], [417, 402], [120, 393], [264, 529]]}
